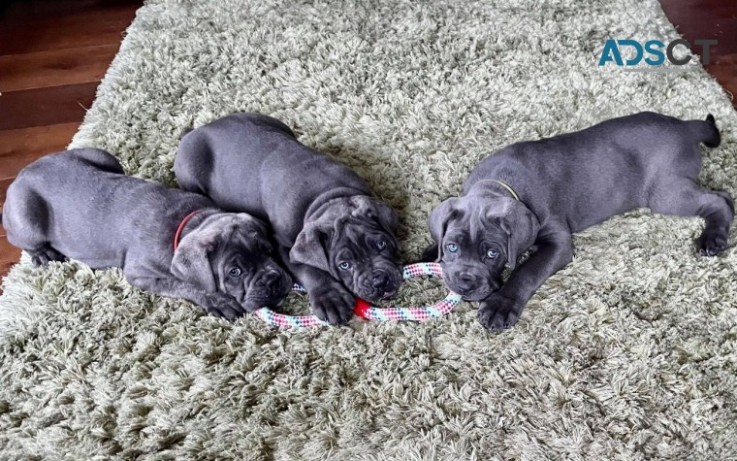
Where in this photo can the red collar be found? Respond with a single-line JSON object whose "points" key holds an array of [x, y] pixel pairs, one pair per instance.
{"points": [[181, 227]]}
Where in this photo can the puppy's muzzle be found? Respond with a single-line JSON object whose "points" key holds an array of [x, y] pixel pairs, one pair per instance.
{"points": [[382, 284], [272, 287], [470, 286]]}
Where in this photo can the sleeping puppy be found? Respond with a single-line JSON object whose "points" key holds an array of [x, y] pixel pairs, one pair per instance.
{"points": [[79, 204], [533, 195], [336, 238]]}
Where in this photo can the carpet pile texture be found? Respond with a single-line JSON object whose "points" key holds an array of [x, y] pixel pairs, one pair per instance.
{"points": [[629, 353]]}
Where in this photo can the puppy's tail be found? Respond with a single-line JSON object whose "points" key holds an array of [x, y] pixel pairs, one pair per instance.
{"points": [[707, 131]]}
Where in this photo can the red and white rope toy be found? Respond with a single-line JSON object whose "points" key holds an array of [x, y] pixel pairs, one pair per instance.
{"points": [[365, 310]]}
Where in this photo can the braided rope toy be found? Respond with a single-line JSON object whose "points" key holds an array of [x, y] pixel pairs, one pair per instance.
{"points": [[365, 310]]}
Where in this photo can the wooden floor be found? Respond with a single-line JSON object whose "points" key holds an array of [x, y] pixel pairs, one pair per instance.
{"points": [[54, 53], [52, 56], [710, 19]]}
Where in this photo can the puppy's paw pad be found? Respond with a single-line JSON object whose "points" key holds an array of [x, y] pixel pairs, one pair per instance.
{"points": [[497, 321], [39, 259], [712, 244], [45, 256], [334, 306], [498, 313], [222, 305]]}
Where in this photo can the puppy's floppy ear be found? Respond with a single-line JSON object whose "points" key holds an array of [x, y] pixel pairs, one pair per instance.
{"points": [[370, 207], [310, 246], [191, 261], [521, 226], [438, 222], [249, 224]]}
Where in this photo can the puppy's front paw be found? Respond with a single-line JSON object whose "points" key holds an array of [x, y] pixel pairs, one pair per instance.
{"points": [[332, 303], [223, 305], [498, 312], [712, 243]]}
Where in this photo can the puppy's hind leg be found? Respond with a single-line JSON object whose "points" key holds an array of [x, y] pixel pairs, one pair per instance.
{"points": [[45, 255], [683, 197], [713, 239], [26, 218]]}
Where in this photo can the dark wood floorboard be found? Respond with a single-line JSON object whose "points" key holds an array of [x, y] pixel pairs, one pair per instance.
{"points": [[20, 147], [11, 255], [4, 183], [27, 33], [50, 106], [51, 68]]}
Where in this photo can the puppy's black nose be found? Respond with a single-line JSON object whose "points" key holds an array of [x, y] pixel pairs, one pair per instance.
{"points": [[270, 279], [466, 282], [380, 281]]}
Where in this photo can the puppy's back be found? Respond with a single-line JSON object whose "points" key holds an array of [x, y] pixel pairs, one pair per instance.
{"points": [[240, 141], [75, 201], [68, 176], [254, 163]]}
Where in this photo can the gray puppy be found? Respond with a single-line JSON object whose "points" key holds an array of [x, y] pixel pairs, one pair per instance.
{"points": [[79, 204], [334, 236], [533, 195]]}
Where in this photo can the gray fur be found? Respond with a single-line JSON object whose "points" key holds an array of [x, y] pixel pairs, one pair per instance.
{"points": [[566, 184], [79, 204], [322, 213]]}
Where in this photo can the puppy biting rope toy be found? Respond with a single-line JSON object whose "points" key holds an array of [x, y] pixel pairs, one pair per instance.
{"points": [[365, 310]]}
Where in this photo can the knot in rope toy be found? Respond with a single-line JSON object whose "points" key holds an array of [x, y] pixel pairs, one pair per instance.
{"points": [[364, 310]]}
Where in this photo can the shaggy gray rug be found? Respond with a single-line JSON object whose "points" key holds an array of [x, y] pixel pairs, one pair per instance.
{"points": [[629, 353]]}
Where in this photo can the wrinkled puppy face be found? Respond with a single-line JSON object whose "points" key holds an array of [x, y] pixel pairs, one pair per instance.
{"points": [[477, 239], [473, 262], [365, 258], [230, 252], [354, 242]]}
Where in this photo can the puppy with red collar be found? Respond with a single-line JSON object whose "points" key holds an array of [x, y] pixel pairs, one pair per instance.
{"points": [[79, 204]]}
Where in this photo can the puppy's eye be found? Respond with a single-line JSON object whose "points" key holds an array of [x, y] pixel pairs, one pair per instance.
{"points": [[492, 254], [235, 272], [344, 265], [381, 245], [452, 247]]}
